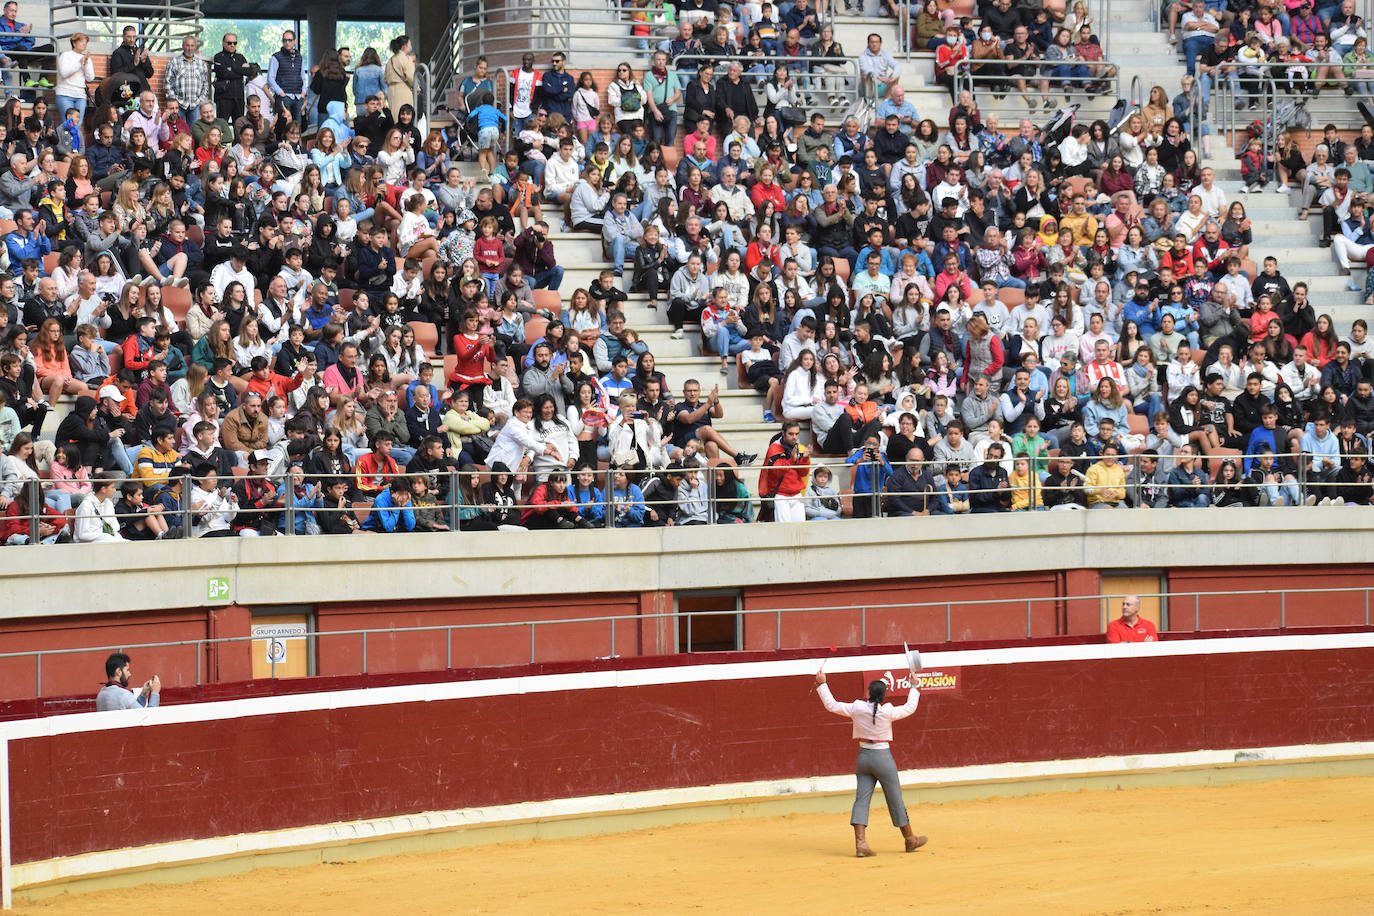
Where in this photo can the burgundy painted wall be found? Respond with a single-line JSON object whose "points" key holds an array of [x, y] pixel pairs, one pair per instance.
{"points": [[1225, 611], [1001, 616], [84, 672], [92, 791]]}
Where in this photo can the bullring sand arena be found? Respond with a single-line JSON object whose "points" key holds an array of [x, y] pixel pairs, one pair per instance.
{"points": [[1288, 846]]}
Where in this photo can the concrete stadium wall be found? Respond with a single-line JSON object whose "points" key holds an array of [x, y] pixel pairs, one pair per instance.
{"points": [[112, 578], [86, 784]]}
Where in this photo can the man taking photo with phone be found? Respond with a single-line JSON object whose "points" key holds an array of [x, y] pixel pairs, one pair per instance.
{"points": [[116, 693]]}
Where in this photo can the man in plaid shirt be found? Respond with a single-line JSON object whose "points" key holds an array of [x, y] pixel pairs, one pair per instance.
{"points": [[187, 79]]}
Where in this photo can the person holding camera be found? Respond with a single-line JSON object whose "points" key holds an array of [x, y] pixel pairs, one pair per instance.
{"points": [[783, 479], [871, 473], [116, 693]]}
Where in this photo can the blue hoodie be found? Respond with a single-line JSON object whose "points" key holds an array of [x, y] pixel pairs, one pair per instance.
{"points": [[338, 123]]}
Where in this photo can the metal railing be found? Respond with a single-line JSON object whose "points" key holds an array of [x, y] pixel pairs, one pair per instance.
{"points": [[1174, 608], [816, 85], [502, 35], [614, 498], [162, 25], [1238, 100], [1039, 77]]}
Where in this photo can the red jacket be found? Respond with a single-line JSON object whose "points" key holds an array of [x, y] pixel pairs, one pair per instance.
{"points": [[783, 474], [772, 192], [470, 358], [274, 384], [137, 357], [14, 523], [540, 502], [372, 473]]}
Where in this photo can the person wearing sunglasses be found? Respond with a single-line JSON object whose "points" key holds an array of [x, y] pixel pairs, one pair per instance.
{"points": [[230, 71], [286, 77]]}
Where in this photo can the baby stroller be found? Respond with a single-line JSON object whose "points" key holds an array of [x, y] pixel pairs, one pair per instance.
{"points": [[1059, 126], [461, 136]]}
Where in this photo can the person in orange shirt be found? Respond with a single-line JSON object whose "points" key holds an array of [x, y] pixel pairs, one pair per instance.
{"points": [[263, 381], [1130, 627], [50, 363]]}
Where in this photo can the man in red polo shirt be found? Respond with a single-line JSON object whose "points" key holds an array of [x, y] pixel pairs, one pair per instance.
{"points": [[1130, 628]]}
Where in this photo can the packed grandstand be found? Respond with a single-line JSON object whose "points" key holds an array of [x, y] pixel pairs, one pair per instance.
{"points": [[288, 296]]}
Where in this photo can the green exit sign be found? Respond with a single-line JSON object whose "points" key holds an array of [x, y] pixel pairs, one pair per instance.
{"points": [[217, 588]]}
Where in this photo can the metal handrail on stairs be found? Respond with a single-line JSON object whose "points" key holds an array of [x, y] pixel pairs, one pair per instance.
{"points": [[1227, 91], [548, 26], [965, 78]]}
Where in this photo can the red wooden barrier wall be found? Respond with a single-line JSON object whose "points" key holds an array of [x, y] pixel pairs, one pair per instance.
{"points": [[115, 788]]}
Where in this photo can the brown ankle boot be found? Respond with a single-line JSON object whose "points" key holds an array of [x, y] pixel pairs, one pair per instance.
{"points": [[913, 842], [861, 847]]}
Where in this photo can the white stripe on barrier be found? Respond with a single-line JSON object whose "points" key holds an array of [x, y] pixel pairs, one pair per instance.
{"points": [[674, 674], [339, 834]]}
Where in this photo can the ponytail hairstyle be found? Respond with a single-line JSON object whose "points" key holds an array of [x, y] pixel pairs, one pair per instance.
{"points": [[876, 691]]}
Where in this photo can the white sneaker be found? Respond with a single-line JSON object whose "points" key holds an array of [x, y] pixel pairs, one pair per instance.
{"points": [[1283, 188], [677, 335], [1311, 500]]}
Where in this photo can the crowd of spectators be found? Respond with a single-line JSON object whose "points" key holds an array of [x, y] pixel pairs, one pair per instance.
{"points": [[242, 300]]}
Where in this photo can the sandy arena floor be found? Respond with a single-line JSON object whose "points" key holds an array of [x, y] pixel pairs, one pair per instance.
{"points": [[1299, 846]]}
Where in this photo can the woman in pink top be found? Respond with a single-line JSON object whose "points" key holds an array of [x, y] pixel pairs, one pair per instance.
{"points": [[873, 728]]}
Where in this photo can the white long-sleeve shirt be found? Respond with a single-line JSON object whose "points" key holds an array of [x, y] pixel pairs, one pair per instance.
{"points": [[95, 521], [799, 391], [870, 729], [517, 439], [224, 274], [561, 174]]}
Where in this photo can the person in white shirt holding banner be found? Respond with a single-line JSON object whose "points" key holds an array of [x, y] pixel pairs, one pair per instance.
{"points": [[873, 720]]}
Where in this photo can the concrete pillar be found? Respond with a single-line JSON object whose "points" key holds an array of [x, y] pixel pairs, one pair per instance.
{"points": [[425, 21], [322, 19]]}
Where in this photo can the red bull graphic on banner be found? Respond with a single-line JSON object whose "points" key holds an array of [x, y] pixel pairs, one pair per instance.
{"points": [[942, 680]]}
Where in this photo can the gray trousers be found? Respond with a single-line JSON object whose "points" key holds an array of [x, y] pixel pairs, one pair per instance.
{"points": [[873, 767]]}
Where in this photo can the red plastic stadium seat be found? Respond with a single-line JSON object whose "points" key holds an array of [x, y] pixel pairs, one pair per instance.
{"points": [[425, 335], [178, 299], [534, 329], [548, 300]]}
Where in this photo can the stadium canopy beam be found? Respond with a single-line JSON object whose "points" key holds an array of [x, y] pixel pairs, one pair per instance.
{"points": [[322, 19], [425, 21]]}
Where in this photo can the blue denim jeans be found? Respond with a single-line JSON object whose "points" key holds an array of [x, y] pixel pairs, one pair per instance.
{"points": [[621, 250], [548, 279], [728, 342], [1192, 47]]}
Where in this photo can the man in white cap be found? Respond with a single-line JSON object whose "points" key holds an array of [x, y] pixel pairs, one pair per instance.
{"points": [[260, 502], [120, 426]]}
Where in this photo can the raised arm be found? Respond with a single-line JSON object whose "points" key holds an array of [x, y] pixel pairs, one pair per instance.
{"points": [[828, 699], [913, 698]]}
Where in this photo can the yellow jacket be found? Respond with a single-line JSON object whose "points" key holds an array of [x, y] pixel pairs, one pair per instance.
{"points": [[1106, 484], [1084, 227], [1021, 492]]}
